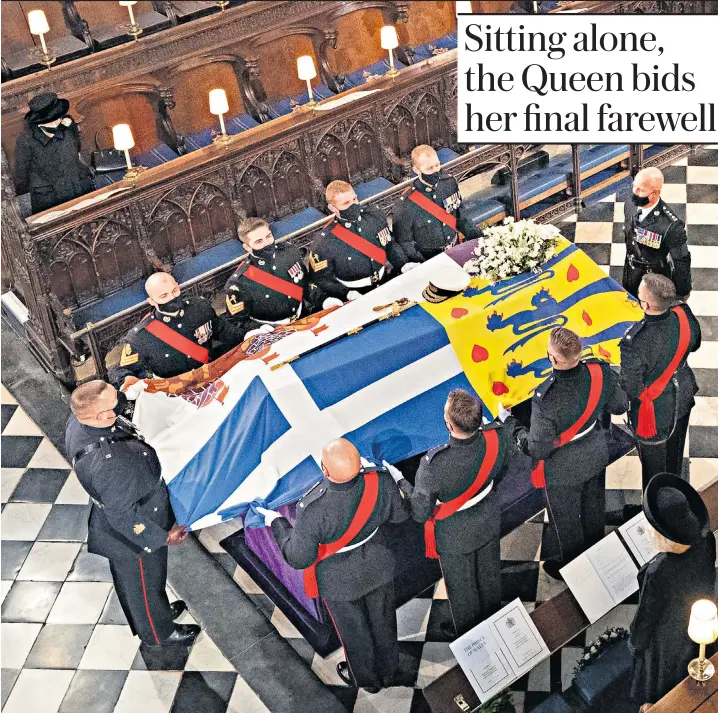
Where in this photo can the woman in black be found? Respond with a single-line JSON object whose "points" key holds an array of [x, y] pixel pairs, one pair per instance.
{"points": [[683, 572], [47, 155]]}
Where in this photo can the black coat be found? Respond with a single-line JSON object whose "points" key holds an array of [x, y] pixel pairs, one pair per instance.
{"points": [[670, 583], [131, 511], [323, 516], [49, 167], [445, 473]]}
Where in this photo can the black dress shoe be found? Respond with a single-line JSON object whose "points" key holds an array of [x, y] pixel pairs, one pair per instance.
{"points": [[344, 673], [178, 608], [184, 634], [372, 689], [552, 567]]}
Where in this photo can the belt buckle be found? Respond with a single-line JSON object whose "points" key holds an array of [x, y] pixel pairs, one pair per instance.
{"points": [[375, 278]]}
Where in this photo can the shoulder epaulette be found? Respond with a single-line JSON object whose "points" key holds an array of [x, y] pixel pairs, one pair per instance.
{"points": [[142, 323], [543, 388], [633, 331], [328, 221], [314, 493], [430, 455], [407, 190], [492, 426], [668, 212]]}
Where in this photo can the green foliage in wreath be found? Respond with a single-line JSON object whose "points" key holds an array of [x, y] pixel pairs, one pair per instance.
{"points": [[609, 638], [503, 703]]}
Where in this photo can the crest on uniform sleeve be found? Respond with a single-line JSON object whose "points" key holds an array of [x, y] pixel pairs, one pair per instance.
{"points": [[296, 272], [127, 358], [138, 528], [203, 333]]}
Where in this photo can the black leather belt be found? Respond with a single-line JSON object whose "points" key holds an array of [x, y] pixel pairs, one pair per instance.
{"points": [[636, 262]]}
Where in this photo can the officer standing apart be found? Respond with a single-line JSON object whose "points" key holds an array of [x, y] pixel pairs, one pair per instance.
{"points": [[349, 257], [656, 376], [455, 497], [655, 237], [131, 519], [567, 439], [270, 287], [175, 338], [338, 541], [428, 218]]}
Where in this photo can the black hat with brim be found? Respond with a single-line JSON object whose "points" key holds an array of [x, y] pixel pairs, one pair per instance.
{"points": [[675, 509], [45, 108]]}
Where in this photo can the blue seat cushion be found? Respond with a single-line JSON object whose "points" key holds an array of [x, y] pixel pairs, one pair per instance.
{"points": [[112, 304], [537, 183], [238, 124], [361, 76], [235, 125], [371, 188], [597, 155], [445, 155], [207, 260], [601, 676], [481, 209], [554, 704], [155, 157], [294, 222], [285, 106], [447, 42]]}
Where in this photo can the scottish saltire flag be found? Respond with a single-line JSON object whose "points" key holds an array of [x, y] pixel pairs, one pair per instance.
{"points": [[255, 436]]}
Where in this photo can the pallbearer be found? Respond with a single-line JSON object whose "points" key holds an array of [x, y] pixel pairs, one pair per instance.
{"points": [[569, 445], [456, 498]]}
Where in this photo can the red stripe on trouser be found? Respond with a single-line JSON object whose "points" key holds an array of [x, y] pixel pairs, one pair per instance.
{"points": [[147, 604], [341, 641]]}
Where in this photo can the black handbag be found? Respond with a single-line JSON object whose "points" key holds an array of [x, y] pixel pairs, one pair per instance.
{"points": [[106, 160]]}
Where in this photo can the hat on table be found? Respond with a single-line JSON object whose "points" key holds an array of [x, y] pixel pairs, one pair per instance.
{"points": [[445, 284]]}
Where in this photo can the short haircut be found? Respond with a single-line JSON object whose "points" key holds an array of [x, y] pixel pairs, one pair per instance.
{"points": [[421, 150], [337, 187], [86, 395], [249, 225], [464, 411], [661, 289], [567, 343]]}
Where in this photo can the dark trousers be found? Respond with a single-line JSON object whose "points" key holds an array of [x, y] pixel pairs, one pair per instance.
{"points": [[473, 584], [577, 515], [367, 630], [664, 457], [632, 276], [140, 585]]}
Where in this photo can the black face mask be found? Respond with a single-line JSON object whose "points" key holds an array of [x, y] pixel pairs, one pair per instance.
{"points": [[351, 213], [121, 403], [432, 178], [174, 305], [639, 201], [264, 253]]}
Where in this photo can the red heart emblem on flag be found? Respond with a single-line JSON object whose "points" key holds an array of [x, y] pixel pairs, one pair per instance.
{"points": [[499, 388], [586, 318], [572, 274], [478, 353], [459, 312]]}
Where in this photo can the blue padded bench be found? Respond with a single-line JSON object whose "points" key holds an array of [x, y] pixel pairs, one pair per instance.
{"points": [[536, 187], [235, 125], [483, 207], [297, 221], [600, 678], [371, 188], [445, 155], [207, 260], [597, 158], [113, 304], [285, 106], [448, 42], [554, 704], [150, 159], [380, 68]]}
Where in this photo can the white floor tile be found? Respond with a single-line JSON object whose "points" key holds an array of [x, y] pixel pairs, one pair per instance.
{"points": [[618, 254], [5, 585], [246, 583], [440, 591], [6, 397], [703, 471], [702, 174], [49, 561], [704, 255], [21, 425], [619, 212], [706, 357], [590, 232], [396, 700], [608, 199], [326, 668], [674, 193], [244, 699], [413, 619], [23, 521], [681, 162], [624, 474], [110, 648], [47, 456], [704, 303], [210, 537], [540, 677], [436, 659], [205, 656], [9, 478], [79, 603], [39, 691], [148, 692], [701, 214], [705, 412], [72, 492], [283, 625], [16, 640]]}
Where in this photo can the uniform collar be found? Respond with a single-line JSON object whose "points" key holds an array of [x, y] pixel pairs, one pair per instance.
{"points": [[658, 317], [92, 431], [464, 441], [341, 486], [568, 373]]}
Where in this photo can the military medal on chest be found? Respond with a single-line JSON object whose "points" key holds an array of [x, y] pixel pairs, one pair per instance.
{"points": [[452, 202], [296, 272]]}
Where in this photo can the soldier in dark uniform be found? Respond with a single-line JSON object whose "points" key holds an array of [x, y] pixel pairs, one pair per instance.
{"points": [[655, 237], [349, 257], [131, 521], [649, 351], [175, 338], [468, 540], [429, 215], [572, 467], [270, 287], [356, 582]]}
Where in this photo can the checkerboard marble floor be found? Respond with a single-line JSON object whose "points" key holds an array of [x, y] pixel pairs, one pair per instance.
{"points": [[66, 646], [63, 632]]}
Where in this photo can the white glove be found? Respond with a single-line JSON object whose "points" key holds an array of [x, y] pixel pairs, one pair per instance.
{"points": [[264, 329], [503, 413], [353, 295], [409, 266], [393, 471], [269, 515], [366, 463], [330, 302]]}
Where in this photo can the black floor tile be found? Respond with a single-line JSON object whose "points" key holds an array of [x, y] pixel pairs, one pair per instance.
{"points": [[40, 485], [440, 613], [6, 413], [65, 523], [89, 568], [600, 253], [418, 703], [707, 380], [619, 236], [709, 328], [519, 579], [703, 442], [597, 213], [206, 691], [303, 649], [678, 209], [346, 695], [533, 699], [59, 646], [701, 193], [616, 272], [30, 601], [704, 158], [674, 174], [12, 556], [161, 658], [95, 691], [7, 681], [702, 235], [568, 230], [409, 660], [17, 451], [112, 613]]}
